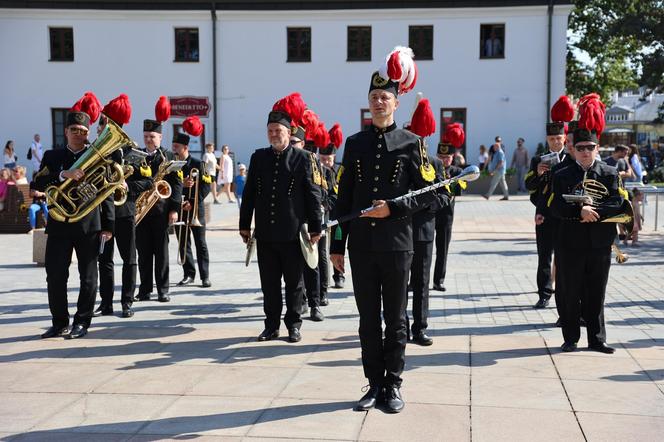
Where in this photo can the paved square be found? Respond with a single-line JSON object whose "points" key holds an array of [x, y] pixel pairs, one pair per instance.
{"points": [[192, 368]]}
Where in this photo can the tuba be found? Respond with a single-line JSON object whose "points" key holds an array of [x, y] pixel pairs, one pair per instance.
{"points": [[71, 200]]}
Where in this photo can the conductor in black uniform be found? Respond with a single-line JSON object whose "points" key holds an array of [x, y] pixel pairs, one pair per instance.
{"points": [[584, 242], [281, 195], [63, 238], [380, 164], [152, 231], [125, 236], [193, 187], [445, 216]]}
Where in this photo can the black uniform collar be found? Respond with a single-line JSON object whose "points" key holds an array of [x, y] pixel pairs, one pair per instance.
{"points": [[77, 153], [281, 152], [382, 130]]}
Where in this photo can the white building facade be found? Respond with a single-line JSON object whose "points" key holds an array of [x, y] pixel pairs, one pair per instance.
{"points": [[245, 53]]}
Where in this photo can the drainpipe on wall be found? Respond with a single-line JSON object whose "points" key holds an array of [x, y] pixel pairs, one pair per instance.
{"points": [[548, 60], [215, 110]]}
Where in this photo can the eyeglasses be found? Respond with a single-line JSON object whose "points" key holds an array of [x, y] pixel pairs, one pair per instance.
{"points": [[78, 131], [586, 147]]}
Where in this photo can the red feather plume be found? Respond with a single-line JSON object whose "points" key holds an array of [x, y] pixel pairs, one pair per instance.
{"points": [[562, 110], [394, 70], [118, 109], [310, 123], [293, 105], [162, 110], [336, 136], [591, 113], [423, 122], [454, 135], [89, 103], [321, 137], [193, 126]]}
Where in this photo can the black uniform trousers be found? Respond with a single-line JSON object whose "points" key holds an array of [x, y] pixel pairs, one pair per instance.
{"points": [[420, 271], [316, 280], [382, 278], [152, 246], [125, 237], [59, 251], [277, 260], [586, 273], [545, 234], [443, 238], [202, 256]]}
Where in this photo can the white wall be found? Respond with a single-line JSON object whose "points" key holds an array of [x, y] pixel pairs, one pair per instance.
{"points": [[132, 52]]}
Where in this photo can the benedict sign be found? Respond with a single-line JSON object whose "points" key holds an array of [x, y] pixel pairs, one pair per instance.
{"points": [[188, 106]]}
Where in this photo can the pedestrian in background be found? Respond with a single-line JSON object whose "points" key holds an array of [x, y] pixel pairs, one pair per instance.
{"points": [[520, 162], [482, 158], [211, 168], [35, 154], [497, 171], [226, 172], [10, 158], [240, 179]]}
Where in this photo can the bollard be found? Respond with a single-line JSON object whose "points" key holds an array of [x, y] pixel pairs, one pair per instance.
{"points": [[39, 246]]}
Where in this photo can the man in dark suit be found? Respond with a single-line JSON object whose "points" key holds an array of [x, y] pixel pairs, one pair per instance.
{"points": [[195, 189], [152, 231], [63, 238], [125, 236], [584, 241], [379, 165], [281, 195]]}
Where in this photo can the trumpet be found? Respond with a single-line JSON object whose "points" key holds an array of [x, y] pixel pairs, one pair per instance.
{"points": [[192, 217]]}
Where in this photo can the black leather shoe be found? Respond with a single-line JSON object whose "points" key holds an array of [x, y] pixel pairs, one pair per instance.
{"points": [[103, 310], [602, 348], [142, 297], [393, 401], [186, 281], [541, 303], [324, 302], [294, 335], [558, 323], [206, 283], [568, 347], [421, 338], [127, 312], [164, 298], [439, 287], [339, 283], [77, 331], [54, 332], [370, 398], [268, 335], [316, 314]]}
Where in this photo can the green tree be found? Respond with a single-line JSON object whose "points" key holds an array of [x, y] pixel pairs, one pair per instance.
{"points": [[625, 41]]}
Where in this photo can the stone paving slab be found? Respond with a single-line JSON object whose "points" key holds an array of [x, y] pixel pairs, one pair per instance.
{"points": [[192, 368]]}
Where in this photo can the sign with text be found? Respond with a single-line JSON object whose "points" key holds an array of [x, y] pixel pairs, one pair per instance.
{"points": [[189, 106]]}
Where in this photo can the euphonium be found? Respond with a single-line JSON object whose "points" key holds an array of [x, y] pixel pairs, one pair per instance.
{"points": [[71, 200], [161, 190]]}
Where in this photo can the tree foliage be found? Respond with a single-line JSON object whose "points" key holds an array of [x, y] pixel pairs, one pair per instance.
{"points": [[625, 41]]}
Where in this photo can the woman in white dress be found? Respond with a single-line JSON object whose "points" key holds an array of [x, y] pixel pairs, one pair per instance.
{"points": [[226, 173], [211, 167]]}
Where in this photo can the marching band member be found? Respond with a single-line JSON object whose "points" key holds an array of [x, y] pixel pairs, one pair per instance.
{"points": [[196, 187], [152, 231], [382, 163], [280, 194]]}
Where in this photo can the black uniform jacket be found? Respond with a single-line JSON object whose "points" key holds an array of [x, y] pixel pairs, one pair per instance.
{"points": [[54, 162], [573, 233], [204, 182], [280, 190], [446, 213], [174, 202], [381, 164], [137, 183], [424, 220], [545, 191]]}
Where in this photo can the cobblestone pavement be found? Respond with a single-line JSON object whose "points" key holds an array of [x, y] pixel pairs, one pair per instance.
{"points": [[191, 368]]}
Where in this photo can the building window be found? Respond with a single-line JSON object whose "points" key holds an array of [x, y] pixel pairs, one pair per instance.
{"points": [[299, 44], [359, 43], [186, 44], [365, 119], [449, 115], [62, 44], [58, 118], [420, 40], [492, 41]]}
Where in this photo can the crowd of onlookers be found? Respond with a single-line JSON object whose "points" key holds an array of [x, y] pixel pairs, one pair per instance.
{"points": [[227, 180]]}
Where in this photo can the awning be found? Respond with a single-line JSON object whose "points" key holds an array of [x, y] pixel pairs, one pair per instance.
{"points": [[618, 130]]}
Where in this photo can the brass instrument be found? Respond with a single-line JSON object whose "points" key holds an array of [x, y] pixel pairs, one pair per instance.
{"points": [[161, 190], [192, 218], [71, 200]]}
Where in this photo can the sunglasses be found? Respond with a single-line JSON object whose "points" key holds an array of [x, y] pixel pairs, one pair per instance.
{"points": [[586, 147], [78, 131]]}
